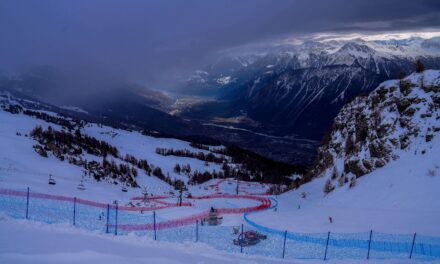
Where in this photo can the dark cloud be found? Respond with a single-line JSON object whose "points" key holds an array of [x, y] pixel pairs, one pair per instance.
{"points": [[154, 41]]}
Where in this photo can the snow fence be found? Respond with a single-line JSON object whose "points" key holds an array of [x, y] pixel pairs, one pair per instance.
{"points": [[145, 221]]}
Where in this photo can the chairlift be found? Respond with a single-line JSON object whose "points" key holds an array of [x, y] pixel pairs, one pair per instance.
{"points": [[51, 181], [81, 186]]}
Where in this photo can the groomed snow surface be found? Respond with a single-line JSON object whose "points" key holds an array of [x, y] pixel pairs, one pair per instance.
{"points": [[37, 243], [402, 198], [30, 242]]}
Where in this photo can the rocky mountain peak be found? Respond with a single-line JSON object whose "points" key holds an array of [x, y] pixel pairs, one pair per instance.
{"points": [[399, 116], [356, 49]]}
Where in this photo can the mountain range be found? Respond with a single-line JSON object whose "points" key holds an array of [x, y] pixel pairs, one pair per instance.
{"points": [[297, 90], [276, 100]]}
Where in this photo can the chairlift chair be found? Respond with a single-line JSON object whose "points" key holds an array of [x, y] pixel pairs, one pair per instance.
{"points": [[144, 191], [51, 181], [81, 186], [124, 188]]}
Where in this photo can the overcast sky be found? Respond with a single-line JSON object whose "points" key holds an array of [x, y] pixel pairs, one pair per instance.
{"points": [[151, 40]]}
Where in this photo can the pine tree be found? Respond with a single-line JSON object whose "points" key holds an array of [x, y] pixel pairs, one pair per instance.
{"points": [[352, 182], [341, 181], [401, 75], [177, 169], [328, 187], [334, 173], [419, 67]]}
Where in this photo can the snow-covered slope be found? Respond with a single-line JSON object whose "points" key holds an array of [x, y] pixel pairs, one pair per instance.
{"points": [[66, 244], [21, 166], [380, 167], [401, 198]]}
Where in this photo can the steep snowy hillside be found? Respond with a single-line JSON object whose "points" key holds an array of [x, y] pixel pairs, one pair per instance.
{"points": [[380, 167], [400, 116], [400, 198]]}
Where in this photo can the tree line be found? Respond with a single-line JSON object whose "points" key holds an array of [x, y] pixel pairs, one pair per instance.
{"points": [[208, 157], [71, 145]]}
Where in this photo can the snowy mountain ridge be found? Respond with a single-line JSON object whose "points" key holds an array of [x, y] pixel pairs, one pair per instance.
{"points": [[299, 89], [321, 53], [398, 117]]}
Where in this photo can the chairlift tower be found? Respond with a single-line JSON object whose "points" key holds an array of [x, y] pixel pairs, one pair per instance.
{"points": [[236, 189], [180, 195]]}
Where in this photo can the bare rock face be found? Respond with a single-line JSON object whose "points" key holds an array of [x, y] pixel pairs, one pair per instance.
{"points": [[371, 131]]}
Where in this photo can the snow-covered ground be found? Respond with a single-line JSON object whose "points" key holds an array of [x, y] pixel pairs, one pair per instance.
{"points": [[402, 197], [30, 242], [22, 167], [22, 242]]}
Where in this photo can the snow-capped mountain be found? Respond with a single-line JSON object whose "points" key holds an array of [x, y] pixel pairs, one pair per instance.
{"points": [[400, 118], [299, 89]]}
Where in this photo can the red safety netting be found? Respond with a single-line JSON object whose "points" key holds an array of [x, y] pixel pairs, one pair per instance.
{"points": [[163, 225], [264, 204], [91, 203], [215, 186], [141, 198]]}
